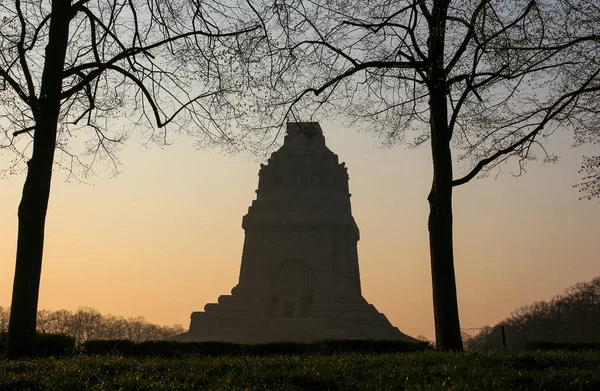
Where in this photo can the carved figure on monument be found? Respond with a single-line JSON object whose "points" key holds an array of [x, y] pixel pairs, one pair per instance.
{"points": [[299, 277]]}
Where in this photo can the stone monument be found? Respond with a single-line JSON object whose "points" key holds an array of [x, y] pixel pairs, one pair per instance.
{"points": [[299, 278]]}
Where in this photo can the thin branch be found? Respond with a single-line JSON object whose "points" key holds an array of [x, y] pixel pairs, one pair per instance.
{"points": [[22, 58], [26, 130], [555, 109]]}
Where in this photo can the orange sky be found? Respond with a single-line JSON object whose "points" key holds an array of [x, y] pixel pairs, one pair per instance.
{"points": [[164, 237]]}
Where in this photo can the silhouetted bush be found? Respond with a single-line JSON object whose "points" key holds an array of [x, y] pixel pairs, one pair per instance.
{"points": [[213, 348], [54, 345], [570, 346], [46, 345]]}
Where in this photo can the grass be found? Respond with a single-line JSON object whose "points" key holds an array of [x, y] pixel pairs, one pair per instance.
{"points": [[560, 370]]}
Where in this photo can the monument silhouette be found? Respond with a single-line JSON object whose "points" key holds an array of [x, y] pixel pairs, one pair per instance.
{"points": [[299, 277]]}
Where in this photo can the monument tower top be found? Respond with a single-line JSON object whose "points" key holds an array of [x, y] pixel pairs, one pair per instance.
{"points": [[306, 128]]}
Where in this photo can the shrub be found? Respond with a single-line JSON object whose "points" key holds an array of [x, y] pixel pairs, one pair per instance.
{"points": [[54, 345], [46, 345]]}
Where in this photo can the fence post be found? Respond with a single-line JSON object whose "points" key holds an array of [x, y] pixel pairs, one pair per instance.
{"points": [[503, 337]]}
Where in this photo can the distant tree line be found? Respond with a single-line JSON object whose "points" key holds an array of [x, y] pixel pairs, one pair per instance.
{"points": [[87, 324], [573, 316]]}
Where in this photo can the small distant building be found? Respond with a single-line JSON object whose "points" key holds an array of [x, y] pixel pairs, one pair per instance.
{"points": [[299, 278]]}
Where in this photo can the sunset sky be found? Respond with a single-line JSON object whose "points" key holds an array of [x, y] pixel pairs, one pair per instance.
{"points": [[164, 238]]}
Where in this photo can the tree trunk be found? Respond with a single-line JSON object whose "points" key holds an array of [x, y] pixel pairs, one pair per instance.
{"points": [[36, 190], [445, 303]]}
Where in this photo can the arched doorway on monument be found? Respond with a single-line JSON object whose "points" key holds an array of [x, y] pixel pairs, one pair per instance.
{"points": [[292, 289]]}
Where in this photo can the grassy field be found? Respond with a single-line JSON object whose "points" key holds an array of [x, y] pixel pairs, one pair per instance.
{"points": [[354, 371]]}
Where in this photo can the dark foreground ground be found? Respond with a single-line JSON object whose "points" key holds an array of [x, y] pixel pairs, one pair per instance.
{"points": [[352, 371]]}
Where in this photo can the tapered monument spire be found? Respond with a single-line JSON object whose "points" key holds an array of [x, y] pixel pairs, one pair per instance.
{"points": [[299, 278]]}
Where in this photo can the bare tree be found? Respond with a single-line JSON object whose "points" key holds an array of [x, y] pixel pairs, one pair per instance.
{"points": [[70, 67], [87, 323], [61, 322], [44, 321], [114, 328], [570, 317], [480, 81]]}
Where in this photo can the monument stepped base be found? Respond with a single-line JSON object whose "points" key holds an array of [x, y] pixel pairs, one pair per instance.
{"points": [[244, 319]]}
